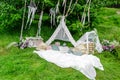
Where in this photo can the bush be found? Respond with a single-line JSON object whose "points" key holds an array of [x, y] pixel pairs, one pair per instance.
{"points": [[8, 17]]}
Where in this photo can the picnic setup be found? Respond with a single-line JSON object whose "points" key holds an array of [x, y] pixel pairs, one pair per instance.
{"points": [[61, 48], [79, 56]]}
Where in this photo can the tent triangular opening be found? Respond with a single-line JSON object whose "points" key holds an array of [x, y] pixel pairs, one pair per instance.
{"points": [[91, 37], [61, 33]]}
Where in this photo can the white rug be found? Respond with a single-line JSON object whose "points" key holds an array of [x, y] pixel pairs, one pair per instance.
{"points": [[85, 63]]}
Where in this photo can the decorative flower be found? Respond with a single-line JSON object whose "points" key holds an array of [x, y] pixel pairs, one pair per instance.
{"points": [[109, 46]]}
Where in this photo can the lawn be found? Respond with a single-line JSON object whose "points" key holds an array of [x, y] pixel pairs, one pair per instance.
{"points": [[17, 64]]}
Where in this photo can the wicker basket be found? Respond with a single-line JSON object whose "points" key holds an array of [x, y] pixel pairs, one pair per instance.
{"points": [[83, 48]]}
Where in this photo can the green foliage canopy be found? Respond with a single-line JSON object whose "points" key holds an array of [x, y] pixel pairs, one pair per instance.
{"points": [[8, 16], [11, 11]]}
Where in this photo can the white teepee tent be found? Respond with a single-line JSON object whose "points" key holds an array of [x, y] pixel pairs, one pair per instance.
{"points": [[62, 33], [91, 37]]}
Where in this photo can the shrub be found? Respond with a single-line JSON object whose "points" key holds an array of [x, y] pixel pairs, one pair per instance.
{"points": [[8, 17]]}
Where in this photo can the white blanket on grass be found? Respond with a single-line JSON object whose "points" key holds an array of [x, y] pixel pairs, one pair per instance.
{"points": [[85, 63]]}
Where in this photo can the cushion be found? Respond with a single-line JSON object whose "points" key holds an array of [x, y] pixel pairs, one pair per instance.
{"points": [[63, 49], [54, 47]]}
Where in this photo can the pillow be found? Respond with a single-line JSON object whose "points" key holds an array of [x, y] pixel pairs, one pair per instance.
{"points": [[76, 52], [79, 53], [54, 47], [63, 49], [41, 46]]}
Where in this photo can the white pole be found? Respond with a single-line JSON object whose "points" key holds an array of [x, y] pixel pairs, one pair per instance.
{"points": [[23, 21]]}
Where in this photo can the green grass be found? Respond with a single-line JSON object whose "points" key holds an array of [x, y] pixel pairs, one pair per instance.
{"points": [[24, 64], [108, 23], [17, 64]]}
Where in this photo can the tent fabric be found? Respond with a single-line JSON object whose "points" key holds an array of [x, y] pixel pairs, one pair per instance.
{"points": [[91, 37], [86, 64], [61, 33]]}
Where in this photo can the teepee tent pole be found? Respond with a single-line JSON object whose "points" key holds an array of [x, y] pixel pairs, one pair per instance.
{"points": [[23, 21]]}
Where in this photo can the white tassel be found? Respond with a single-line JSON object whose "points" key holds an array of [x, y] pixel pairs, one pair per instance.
{"points": [[73, 7], [52, 14], [69, 8], [84, 18], [39, 24], [57, 7], [54, 19], [84, 13], [64, 2], [31, 13]]}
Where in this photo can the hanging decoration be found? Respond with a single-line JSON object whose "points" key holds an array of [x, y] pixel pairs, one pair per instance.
{"points": [[57, 7], [69, 7], [31, 12], [39, 24], [86, 12], [53, 13], [64, 4], [73, 7]]}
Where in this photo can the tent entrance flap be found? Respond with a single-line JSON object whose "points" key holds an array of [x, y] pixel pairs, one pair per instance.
{"points": [[62, 35]]}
